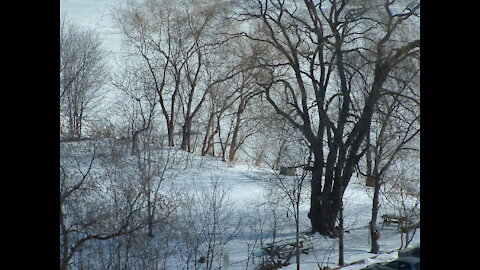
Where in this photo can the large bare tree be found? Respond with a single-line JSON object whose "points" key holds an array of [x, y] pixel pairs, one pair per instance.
{"points": [[335, 57]]}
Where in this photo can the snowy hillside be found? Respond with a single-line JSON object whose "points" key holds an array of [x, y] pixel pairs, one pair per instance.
{"points": [[197, 206], [247, 202]]}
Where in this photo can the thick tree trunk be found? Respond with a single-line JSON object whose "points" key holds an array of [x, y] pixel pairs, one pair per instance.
{"points": [[186, 132], [323, 216], [170, 133], [328, 213], [324, 205], [316, 190]]}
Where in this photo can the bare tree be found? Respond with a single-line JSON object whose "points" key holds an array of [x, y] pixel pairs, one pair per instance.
{"points": [[394, 135], [176, 45], [155, 164], [87, 213], [138, 102], [206, 225], [152, 31], [325, 45], [116, 209], [202, 61], [82, 75], [292, 188], [402, 194]]}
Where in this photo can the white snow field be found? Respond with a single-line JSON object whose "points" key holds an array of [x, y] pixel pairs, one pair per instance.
{"points": [[247, 193]]}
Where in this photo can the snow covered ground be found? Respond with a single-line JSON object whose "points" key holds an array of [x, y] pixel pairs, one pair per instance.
{"points": [[245, 188], [357, 214]]}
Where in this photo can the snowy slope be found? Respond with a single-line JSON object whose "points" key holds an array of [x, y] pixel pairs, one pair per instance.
{"points": [[247, 190], [242, 180]]}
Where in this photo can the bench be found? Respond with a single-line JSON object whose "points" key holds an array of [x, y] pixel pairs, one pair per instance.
{"points": [[399, 220], [286, 248]]}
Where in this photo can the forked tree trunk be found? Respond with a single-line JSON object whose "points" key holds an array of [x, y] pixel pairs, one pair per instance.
{"points": [[324, 206], [329, 210]]}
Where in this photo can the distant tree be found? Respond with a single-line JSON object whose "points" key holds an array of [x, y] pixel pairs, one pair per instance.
{"points": [[232, 115], [83, 73], [176, 44], [137, 101]]}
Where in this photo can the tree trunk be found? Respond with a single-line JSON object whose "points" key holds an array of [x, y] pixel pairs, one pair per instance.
{"points": [[206, 139], [323, 214], [341, 261], [186, 132], [150, 219], [233, 144], [170, 133], [134, 149], [324, 205], [370, 181], [373, 227], [329, 210], [297, 232], [316, 189]]}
